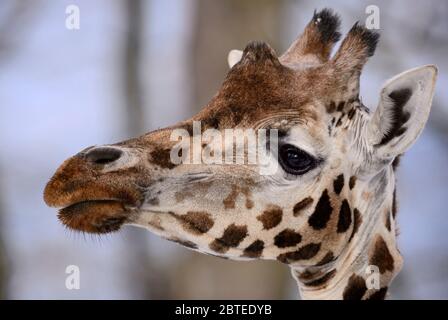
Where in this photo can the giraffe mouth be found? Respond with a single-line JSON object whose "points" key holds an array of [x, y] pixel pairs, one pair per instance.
{"points": [[95, 216], [89, 201]]}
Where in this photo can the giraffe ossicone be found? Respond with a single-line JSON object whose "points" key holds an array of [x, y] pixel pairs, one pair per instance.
{"points": [[329, 211]]}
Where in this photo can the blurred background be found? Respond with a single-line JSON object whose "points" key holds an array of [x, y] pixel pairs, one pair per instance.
{"points": [[135, 66]]}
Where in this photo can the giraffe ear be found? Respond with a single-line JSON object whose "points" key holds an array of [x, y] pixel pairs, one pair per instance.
{"points": [[234, 57], [402, 112]]}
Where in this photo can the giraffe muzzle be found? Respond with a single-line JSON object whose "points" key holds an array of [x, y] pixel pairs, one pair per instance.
{"points": [[89, 199]]}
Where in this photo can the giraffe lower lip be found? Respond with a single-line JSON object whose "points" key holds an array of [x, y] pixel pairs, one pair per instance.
{"points": [[94, 216], [85, 203]]}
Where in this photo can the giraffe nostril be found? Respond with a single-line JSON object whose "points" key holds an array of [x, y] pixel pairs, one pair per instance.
{"points": [[103, 155]]}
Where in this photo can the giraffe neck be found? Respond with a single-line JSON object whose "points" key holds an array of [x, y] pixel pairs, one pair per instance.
{"points": [[370, 260]]}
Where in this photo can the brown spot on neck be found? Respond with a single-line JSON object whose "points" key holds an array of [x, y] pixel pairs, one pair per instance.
{"points": [[196, 222], [318, 220], [302, 205], [345, 217], [357, 220], [381, 256], [378, 295], [230, 201], [232, 237], [304, 253], [287, 238], [387, 222], [338, 184], [271, 217], [254, 250], [355, 289], [249, 202], [329, 257], [352, 182], [323, 280]]}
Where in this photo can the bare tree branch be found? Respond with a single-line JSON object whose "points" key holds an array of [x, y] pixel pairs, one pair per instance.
{"points": [[146, 278]]}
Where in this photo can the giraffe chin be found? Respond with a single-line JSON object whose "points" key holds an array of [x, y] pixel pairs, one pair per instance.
{"points": [[95, 216]]}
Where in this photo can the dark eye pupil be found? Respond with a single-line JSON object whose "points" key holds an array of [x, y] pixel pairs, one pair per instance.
{"points": [[294, 160]]}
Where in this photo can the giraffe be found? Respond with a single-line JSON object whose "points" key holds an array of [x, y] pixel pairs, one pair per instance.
{"points": [[329, 209]]}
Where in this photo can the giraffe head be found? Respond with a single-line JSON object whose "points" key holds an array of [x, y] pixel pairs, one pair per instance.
{"points": [[327, 209]]}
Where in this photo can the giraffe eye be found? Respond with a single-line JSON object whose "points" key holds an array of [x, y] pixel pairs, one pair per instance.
{"points": [[295, 161]]}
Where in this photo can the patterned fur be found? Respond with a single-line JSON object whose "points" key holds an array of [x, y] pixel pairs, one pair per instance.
{"points": [[328, 224]]}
